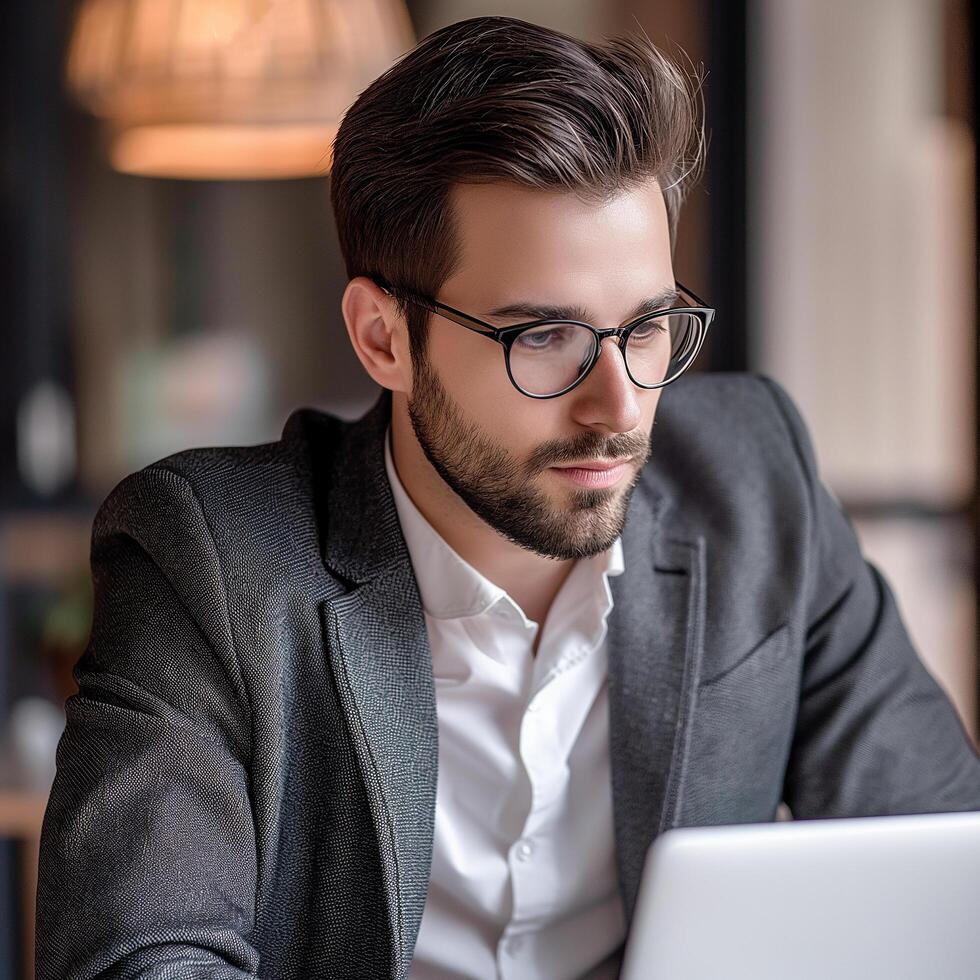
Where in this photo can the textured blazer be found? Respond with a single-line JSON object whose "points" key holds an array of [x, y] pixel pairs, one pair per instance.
{"points": [[246, 782]]}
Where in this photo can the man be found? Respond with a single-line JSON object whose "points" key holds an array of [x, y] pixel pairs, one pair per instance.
{"points": [[412, 696]]}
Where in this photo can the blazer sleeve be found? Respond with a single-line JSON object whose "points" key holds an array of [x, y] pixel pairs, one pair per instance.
{"points": [[148, 858], [875, 733]]}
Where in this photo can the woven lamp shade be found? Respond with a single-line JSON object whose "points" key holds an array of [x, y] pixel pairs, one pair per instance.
{"points": [[229, 89]]}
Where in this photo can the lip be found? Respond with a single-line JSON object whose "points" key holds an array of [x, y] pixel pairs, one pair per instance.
{"points": [[594, 466], [594, 475]]}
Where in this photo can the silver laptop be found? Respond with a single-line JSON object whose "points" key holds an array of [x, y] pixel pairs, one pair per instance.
{"points": [[865, 898]]}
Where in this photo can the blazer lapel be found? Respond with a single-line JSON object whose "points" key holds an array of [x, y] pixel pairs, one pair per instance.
{"points": [[655, 642], [379, 653], [380, 657]]}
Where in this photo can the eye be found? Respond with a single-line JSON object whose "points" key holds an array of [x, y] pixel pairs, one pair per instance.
{"points": [[548, 338], [649, 329]]}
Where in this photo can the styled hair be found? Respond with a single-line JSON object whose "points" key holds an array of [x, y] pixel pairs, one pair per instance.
{"points": [[496, 99]]}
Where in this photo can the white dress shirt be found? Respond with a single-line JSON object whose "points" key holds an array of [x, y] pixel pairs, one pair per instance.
{"points": [[523, 881]]}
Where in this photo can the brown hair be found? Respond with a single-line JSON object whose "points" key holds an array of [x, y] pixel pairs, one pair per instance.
{"points": [[496, 99]]}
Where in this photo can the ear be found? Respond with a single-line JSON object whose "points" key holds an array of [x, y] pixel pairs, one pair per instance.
{"points": [[378, 333]]}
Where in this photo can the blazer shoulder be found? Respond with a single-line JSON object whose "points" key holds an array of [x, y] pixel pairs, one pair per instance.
{"points": [[731, 421], [241, 472], [731, 395], [724, 467], [248, 505], [726, 461]]}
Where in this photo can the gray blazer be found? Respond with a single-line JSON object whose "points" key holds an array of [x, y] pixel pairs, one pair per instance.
{"points": [[246, 784]]}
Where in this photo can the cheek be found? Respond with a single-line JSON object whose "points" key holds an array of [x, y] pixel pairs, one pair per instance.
{"points": [[512, 423], [470, 367]]}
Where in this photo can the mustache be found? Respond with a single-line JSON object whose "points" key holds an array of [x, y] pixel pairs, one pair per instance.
{"points": [[590, 449]]}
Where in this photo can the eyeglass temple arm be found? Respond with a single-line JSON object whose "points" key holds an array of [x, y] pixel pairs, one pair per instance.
{"points": [[486, 329], [690, 292]]}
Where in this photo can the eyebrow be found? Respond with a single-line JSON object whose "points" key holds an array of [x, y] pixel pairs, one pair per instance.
{"points": [[534, 311]]}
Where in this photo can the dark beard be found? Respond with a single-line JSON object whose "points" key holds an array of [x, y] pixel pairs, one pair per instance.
{"points": [[501, 494]]}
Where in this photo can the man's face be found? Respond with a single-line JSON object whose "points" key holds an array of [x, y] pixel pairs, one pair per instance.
{"points": [[494, 446]]}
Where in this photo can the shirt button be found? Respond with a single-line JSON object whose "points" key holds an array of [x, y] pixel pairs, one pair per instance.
{"points": [[524, 850], [514, 944], [534, 705]]}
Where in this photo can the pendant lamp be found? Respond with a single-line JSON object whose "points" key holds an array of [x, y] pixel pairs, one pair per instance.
{"points": [[229, 89]]}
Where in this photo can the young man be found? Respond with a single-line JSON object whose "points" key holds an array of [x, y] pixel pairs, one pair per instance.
{"points": [[412, 696]]}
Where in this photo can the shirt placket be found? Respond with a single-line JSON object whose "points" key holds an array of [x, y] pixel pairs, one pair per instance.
{"points": [[534, 876]]}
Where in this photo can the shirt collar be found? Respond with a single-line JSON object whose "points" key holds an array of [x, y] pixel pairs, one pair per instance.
{"points": [[450, 587]]}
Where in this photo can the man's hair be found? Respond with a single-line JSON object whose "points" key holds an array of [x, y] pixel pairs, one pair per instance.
{"points": [[496, 99]]}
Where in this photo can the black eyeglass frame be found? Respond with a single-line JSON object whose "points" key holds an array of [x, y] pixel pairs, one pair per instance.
{"points": [[506, 336]]}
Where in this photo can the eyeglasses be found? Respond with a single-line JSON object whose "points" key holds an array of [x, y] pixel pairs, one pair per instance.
{"points": [[547, 358]]}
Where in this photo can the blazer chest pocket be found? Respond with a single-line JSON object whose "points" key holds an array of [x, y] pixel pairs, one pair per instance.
{"points": [[742, 730]]}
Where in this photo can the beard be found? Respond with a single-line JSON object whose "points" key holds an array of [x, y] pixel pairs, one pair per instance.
{"points": [[500, 490]]}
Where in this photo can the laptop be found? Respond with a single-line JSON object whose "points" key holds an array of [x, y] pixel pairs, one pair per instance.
{"points": [[862, 898]]}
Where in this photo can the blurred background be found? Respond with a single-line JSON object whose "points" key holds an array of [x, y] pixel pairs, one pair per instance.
{"points": [[172, 279]]}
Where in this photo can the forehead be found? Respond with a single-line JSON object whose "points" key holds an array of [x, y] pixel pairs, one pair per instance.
{"points": [[525, 243]]}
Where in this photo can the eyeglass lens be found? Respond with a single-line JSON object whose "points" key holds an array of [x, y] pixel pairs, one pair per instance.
{"points": [[547, 359]]}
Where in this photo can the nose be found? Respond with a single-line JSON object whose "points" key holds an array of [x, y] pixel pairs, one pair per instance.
{"points": [[608, 397]]}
